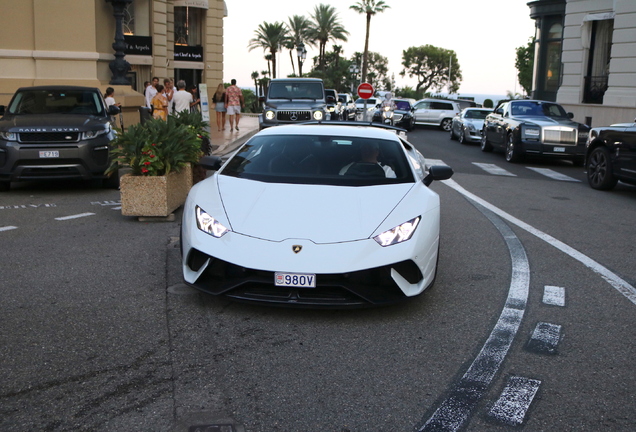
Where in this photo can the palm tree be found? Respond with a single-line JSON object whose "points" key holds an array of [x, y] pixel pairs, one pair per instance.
{"points": [[299, 27], [325, 27], [255, 78], [270, 37], [370, 8]]}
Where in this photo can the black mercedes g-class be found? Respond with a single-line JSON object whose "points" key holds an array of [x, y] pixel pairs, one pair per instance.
{"points": [[56, 132], [293, 100]]}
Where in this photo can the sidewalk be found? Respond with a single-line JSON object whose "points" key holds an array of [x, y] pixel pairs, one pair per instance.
{"points": [[227, 141]]}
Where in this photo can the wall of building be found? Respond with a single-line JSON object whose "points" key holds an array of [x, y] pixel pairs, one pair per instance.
{"points": [[619, 101]]}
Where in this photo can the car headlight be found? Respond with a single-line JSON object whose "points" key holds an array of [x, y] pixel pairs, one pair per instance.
{"points": [[470, 126], [208, 224], [317, 115], [94, 134], [9, 136], [270, 115], [399, 234], [532, 132]]}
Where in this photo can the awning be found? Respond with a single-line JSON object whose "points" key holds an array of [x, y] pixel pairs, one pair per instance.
{"points": [[599, 16], [203, 4], [586, 26]]}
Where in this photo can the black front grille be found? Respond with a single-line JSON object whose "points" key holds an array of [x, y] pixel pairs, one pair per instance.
{"points": [[49, 137], [294, 115]]}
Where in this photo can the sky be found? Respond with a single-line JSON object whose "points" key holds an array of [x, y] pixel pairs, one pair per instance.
{"points": [[483, 33]]}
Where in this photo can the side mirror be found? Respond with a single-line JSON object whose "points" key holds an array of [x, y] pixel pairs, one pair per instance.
{"points": [[113, 110], [438, 172], [570, 115], [212, 163]]}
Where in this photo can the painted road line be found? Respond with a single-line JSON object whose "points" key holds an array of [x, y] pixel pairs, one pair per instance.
{"points": [[545, 338], [514, 401], [553, 174], [116, 208], [554, 295], [455, 410], [74, 216], [494, 169], [8, 228], [621, 285]]}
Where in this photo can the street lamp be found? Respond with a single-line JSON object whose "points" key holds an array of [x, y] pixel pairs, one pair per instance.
{"points": [[354, 70], [301, 52], [119, 67]]}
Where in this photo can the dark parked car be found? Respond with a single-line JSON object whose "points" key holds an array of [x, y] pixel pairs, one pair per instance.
{"points": [[534, 128], [56, 132], [402, 115], [611, 155]]}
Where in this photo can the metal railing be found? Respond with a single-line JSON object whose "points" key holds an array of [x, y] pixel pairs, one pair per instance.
{"points": [[595, 87]]}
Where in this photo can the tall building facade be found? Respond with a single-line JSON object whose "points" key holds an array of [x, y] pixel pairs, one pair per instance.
{"points": [[585, 58], [70, 42]]}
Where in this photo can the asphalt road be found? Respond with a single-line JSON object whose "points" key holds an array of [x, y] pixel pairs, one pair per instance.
{"points": [[99, 333]]}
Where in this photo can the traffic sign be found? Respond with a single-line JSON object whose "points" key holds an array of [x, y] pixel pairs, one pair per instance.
{"points": [[365, 90]]}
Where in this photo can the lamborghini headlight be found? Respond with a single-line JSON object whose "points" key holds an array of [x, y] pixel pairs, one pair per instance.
{"points": [[208, 224], [399, 234]]}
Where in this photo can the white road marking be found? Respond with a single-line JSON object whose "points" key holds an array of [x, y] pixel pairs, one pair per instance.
{"points": [[455, 410], [513, 404], [554, 295], [494, 169], [8, 228], [545, 338], [116, 208], [613, 279], [553, 174], [74, 216]]}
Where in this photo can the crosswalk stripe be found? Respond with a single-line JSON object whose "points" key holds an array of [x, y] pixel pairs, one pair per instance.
{"points": [[494, 169], [553, 174]]}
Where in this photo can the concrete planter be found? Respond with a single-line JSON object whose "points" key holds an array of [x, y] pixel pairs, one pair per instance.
{"points": [[154, 195]]}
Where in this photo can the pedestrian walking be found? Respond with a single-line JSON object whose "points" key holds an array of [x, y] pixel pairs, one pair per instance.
{"points": [[233, 103], [160, 104], [151, 91], [219, 106], [181, 98]]}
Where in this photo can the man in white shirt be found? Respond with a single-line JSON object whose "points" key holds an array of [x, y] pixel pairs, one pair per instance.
{"points": [[181, 98], [151, 91]]}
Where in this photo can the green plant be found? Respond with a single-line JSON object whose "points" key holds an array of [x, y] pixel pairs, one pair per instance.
{"points": [[158, 147]]}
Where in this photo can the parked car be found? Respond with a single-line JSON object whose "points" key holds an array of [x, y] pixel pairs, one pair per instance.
{"points": [[436, 112], [334, 109], [466, 127], [351, 220], [293, 100], [371, 103], [56, 132], [348, 106], [402, 115], [534, 128], [611, 155]]}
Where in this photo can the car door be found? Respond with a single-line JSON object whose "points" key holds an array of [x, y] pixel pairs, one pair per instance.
{"points": [[421, 112], [496, 129]]}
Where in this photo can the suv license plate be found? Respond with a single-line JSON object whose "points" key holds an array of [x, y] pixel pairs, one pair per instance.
{"points": [[49, 154], [301, 280], [559, 149]]}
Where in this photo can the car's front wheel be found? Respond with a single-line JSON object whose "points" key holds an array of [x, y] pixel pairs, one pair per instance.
{"points": [[600, 173], [512, 150], [446, 124], [485, 145], [452, 133], [462, 136]]}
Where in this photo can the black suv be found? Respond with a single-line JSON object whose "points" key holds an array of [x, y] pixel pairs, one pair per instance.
{"points": [[56, 132], [611, 155], [293, 100]]}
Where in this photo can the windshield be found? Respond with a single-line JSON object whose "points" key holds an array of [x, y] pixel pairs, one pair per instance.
{"points": [[476, 114], [57, 102], [296, 90], [370, 101], [402, 105], [530, 108], [321, 160]]}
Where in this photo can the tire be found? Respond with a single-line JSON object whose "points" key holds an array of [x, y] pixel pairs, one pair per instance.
{"points": [[462, 136], [600, 174], [512, 150], [411, 125], [5, 186], [485, 145], [452, 134], [446, 124]]}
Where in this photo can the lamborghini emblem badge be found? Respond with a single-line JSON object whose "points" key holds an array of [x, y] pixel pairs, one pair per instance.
{"points": [[297, 248]]}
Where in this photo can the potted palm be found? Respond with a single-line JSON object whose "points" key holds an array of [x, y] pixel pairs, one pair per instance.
{"points": [[159, 155]]}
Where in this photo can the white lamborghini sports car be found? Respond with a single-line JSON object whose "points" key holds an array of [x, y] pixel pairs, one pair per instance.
{"points": [[315, 216]]}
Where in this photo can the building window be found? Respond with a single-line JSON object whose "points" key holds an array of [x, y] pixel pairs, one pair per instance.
{"points": [[553, 57], [136, 20], [598, 63], [188, 25]]}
